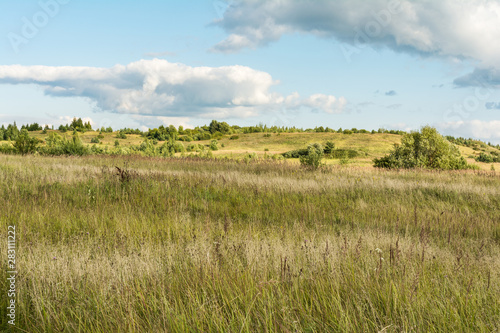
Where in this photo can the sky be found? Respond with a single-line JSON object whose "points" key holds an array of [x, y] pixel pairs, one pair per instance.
{"points": [[394, 64]]}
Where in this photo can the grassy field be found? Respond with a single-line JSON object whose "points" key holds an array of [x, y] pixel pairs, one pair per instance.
{"points": [[200, 245]]}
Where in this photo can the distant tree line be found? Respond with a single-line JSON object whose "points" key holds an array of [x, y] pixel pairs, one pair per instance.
{"points": [[424, 149]]}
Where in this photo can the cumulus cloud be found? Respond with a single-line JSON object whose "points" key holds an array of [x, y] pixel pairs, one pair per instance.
{"points": [[153, 121], [447, 28], [326, 103], [160, 88], [484, 130]]}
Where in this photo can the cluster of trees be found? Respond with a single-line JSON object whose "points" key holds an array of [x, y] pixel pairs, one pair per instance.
{"points": [[215, 130], [76, 125], [10, 132], [424, 149], [353, 130], [163, 133]]}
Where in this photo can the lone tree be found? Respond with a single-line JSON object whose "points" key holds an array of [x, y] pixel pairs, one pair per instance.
{"points": [[424, 149]]}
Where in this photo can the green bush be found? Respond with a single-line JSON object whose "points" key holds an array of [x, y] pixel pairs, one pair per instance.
{"points": [[297, 153], [25, 144], [329, 147], [57, 145], [178, 147], [234, 137], [121, 135], [341, 153], [424, 149], [203, 136], [213, 145], [96, 150], [7, 148], [486, 158], [94, 140], [313, 157]]}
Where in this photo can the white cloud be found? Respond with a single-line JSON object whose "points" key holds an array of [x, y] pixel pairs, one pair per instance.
{"points": [[452, 29], [447, 28], [160, 88], [154, 121], [484, 130], [326, 103]]}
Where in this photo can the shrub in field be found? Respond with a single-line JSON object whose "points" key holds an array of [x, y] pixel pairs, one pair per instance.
{"points": [[487, 158], [342, 153], [25, 144], [121, 135], [203, 136], [424, 149], [178, 147], [213, 145], [96, 150], [313, 157], [117, 143], [94, 140], [297, 153], [75, 146], [234, 137], [329, 147], [217, 135], [7, 148], [277, 157]]}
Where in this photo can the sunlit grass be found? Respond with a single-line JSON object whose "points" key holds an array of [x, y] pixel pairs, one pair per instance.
{"points": [[188, 244]]}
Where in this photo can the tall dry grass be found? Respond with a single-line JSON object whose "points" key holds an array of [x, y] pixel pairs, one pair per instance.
{"points": [[215, 245]]}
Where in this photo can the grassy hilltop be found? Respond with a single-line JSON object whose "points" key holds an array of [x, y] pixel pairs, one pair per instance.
{"points": [[368, 146]]}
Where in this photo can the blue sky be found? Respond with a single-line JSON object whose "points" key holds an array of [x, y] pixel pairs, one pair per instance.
{"points": [[365, 64]]}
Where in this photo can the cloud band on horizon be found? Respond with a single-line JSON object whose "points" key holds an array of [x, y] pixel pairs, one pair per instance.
{"points": [[158, 87]]}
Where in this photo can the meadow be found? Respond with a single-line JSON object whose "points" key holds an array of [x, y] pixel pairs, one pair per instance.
{"points": [[189, 244], [367, 146]]}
